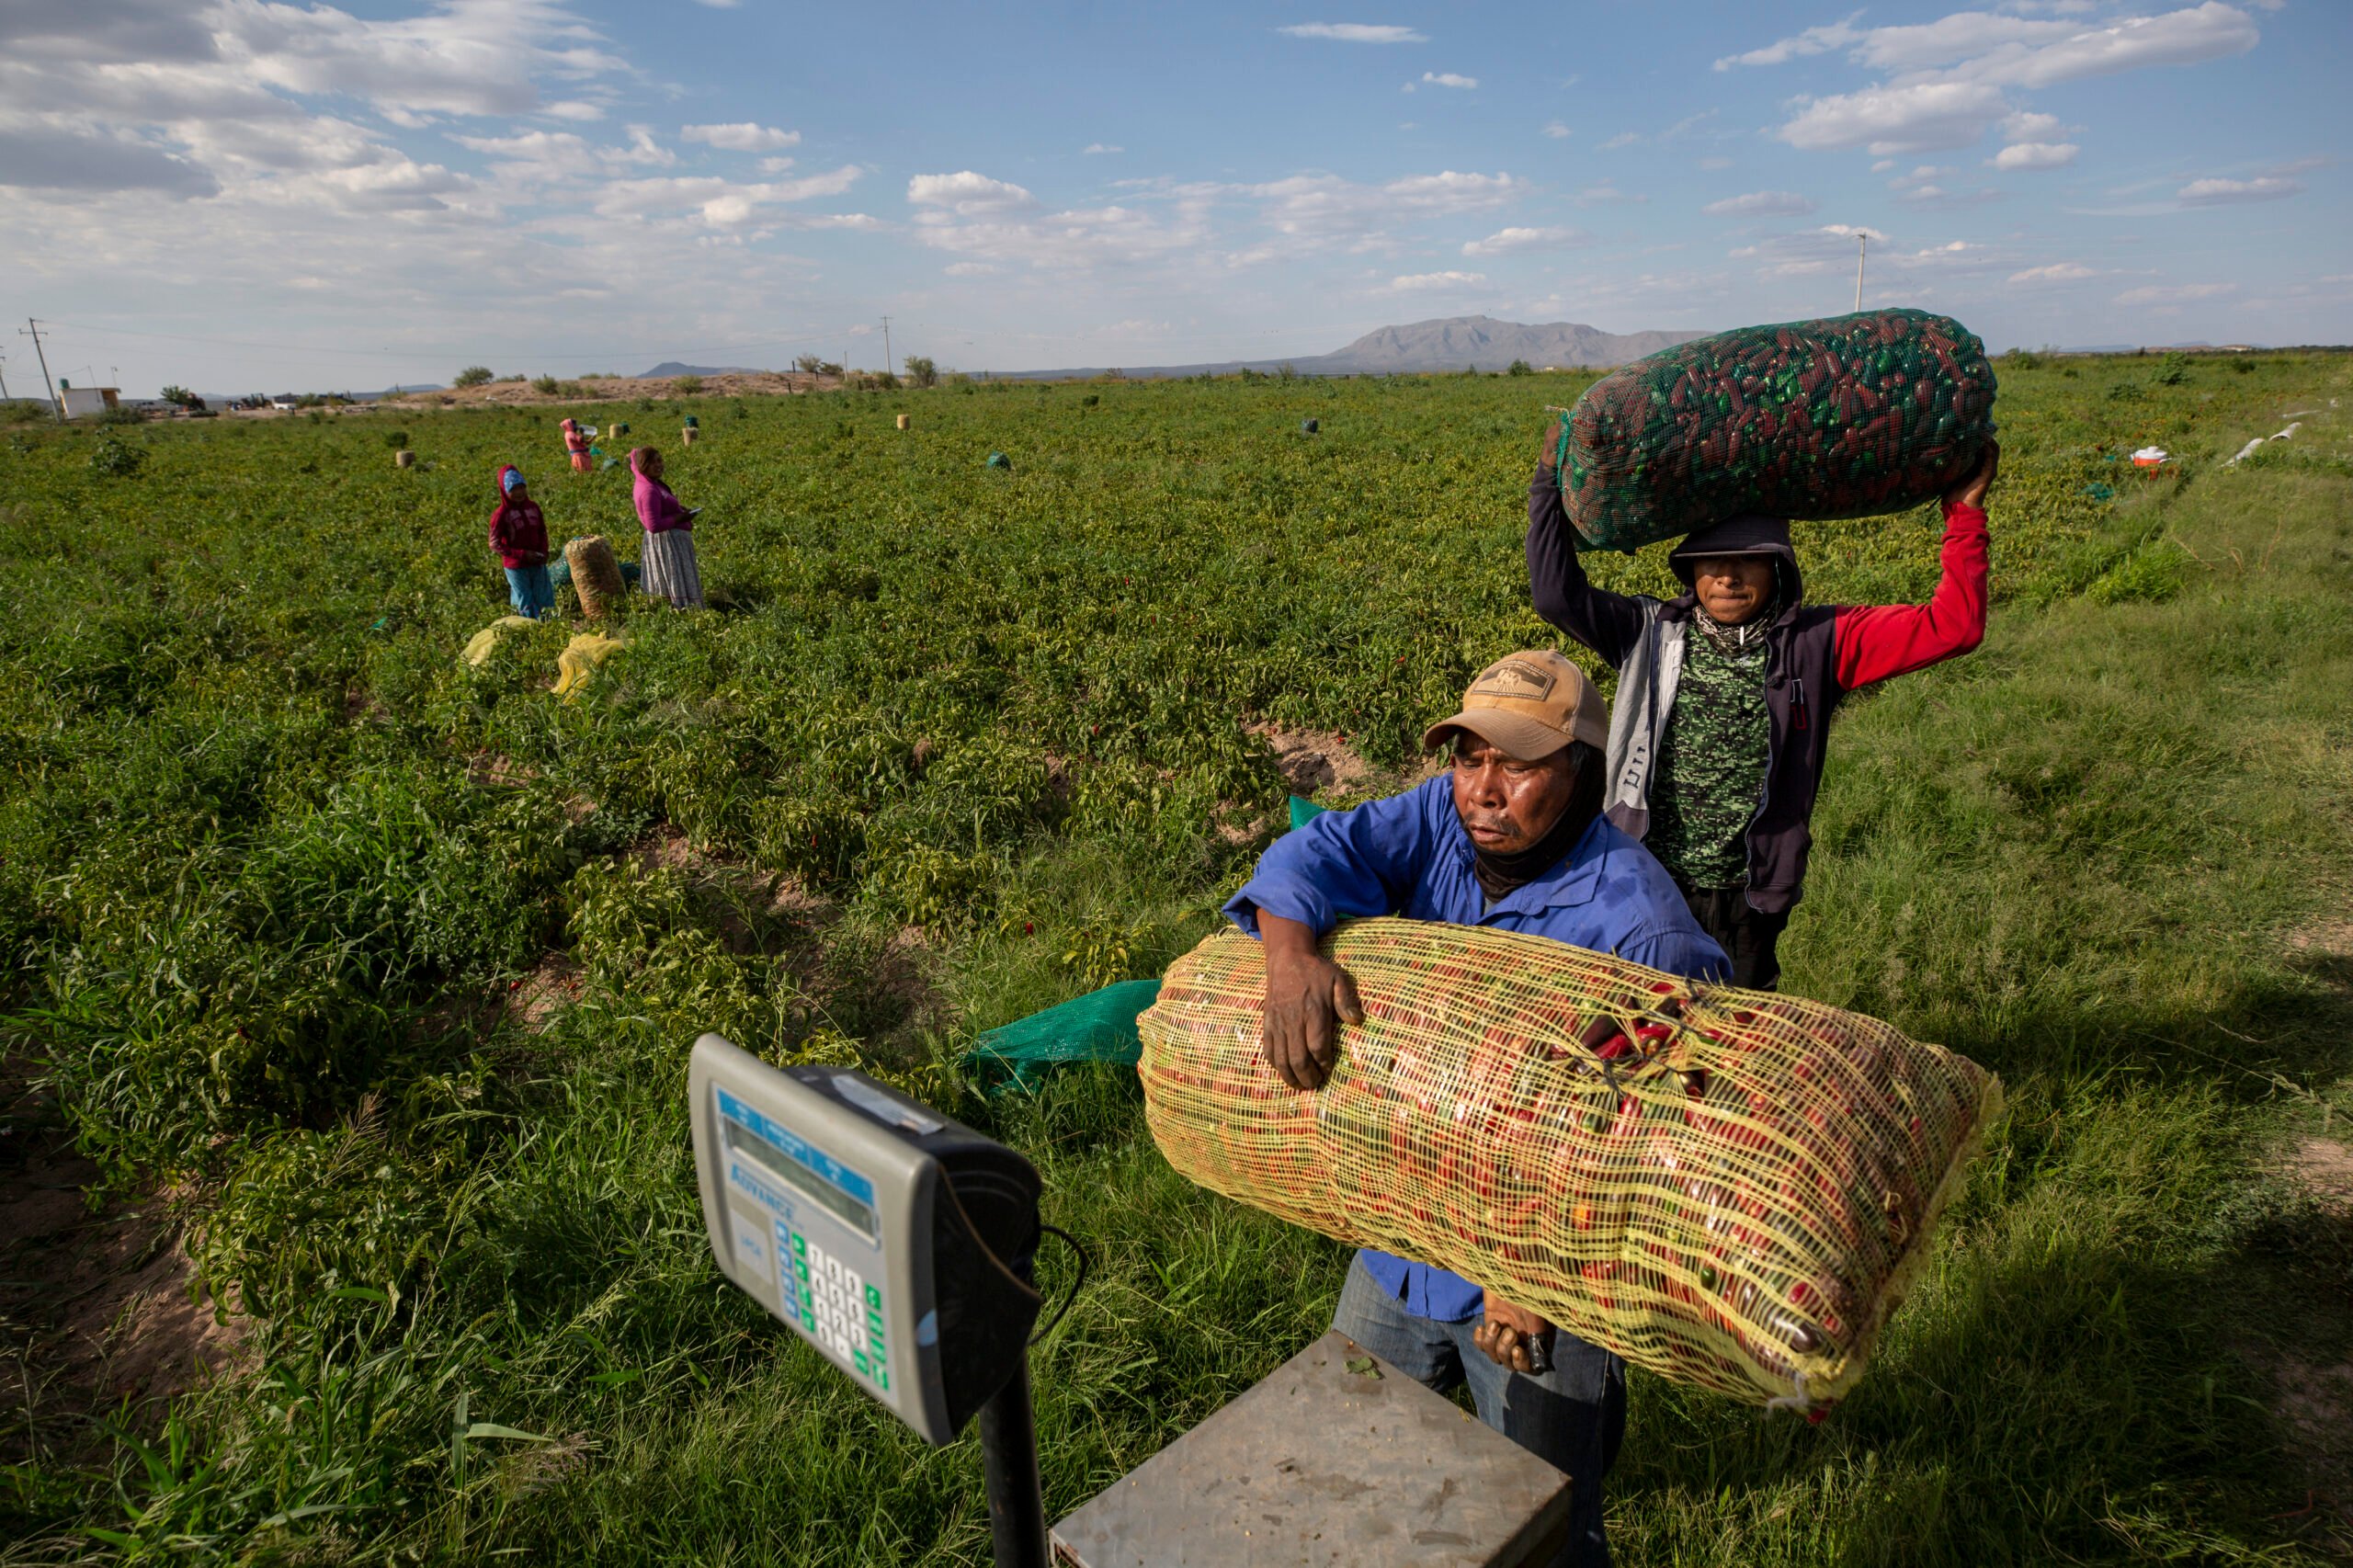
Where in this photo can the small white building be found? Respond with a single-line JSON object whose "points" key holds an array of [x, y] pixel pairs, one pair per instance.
{"points": [[89, 401]]}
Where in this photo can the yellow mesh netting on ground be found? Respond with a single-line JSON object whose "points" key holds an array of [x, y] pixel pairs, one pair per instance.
{"points": [[579, 662], [1728, 1188], [482, 643]]}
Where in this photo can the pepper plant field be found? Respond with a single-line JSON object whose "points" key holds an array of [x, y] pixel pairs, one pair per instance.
{"points": [[376, 972]]}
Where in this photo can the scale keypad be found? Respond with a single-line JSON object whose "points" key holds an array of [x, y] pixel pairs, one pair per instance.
{"points": [[835, 1303]]}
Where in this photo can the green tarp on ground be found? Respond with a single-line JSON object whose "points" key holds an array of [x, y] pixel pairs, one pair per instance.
{"points": [[1097, 1027]]}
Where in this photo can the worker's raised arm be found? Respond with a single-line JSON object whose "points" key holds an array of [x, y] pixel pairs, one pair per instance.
{"points": [[1875, 641], [1606, 622]]}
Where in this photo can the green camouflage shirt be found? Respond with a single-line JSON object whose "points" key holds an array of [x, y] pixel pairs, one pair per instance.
{"points": [[1710, 769]]}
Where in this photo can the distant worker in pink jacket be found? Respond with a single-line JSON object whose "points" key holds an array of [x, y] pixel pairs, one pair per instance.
{"points": [[576, 442], [670, 569], [519, 533]]}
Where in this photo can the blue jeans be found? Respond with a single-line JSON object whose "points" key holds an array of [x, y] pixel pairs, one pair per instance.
{"points": [[1573, 1416], [528, 586]]}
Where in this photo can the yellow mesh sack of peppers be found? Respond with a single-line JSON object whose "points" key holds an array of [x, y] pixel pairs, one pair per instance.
{"points": [[1732, 1188]]}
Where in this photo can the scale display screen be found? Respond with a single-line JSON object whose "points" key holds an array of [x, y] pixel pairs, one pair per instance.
{"points": [[811, 1170], [854, 1215], [829, 1284]]}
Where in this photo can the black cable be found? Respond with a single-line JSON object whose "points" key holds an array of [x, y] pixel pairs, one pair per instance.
{"points": [[1084, 1263]]}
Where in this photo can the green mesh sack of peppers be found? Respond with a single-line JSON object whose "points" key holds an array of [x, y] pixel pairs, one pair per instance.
{"points": [[1847, 418], [1732, 1188]]}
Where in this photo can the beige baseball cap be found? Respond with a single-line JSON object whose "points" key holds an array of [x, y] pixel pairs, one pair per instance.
{"points": [[1529, 705]]}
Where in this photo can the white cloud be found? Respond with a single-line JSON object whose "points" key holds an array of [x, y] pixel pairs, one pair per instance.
{"points": [[49, 157], [1916, 119], [744, 137], [1828, 251], [1623, 139], [1605, 195], [1947, 78], [2211, 31], [573, 110], [1814, 40], [2217, 192], [2160, 294], [2057, 272], [967, 194], [1761, 204], [2017, 51], [1325, 206], [969, 269], [1964, 35], [1419, 282], [1449, 79], [1557, 131], [1095, 149], [1353, 32], [1714, 163], [1503, 242], [719, 202], [2036, 155], [464, 58]]}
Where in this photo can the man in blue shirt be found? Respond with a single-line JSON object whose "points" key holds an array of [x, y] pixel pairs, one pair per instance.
{"points": [[1511, 836]]}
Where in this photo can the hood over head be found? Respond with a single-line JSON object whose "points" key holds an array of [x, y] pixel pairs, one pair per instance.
{"points": [[1747, 534], [509, 476]]}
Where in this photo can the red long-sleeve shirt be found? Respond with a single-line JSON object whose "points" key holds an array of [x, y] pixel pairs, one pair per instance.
{"points": [[1874, 641]]}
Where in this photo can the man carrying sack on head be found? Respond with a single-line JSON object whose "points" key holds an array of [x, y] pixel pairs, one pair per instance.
{"points": [[1511, 836], [1725, 692]]}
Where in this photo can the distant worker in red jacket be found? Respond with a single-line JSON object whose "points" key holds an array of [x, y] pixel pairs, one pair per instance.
{"points": [[519, 534], [575, 444], [1722, 717]]}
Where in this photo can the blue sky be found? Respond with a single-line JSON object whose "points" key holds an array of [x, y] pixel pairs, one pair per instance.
{"points": [[240, 194]]}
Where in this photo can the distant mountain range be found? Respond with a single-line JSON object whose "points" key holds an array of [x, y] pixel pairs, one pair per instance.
{"points": [[670, 369], [1452, 342]]}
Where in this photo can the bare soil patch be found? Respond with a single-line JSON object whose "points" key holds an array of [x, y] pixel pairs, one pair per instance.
{"points": [[553, 983], [2323, 1168], [1311, 760], [97, 1310], [613, 389]]}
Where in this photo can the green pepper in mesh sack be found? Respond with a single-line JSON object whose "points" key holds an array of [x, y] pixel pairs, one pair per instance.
{"points": [[1846, 417]]}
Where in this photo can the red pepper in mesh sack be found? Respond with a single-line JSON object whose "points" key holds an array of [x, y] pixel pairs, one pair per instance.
{"points": [[1750, 1238]]}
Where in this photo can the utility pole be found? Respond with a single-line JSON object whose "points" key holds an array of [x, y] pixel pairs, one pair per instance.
{"points": [[1861, 242], [887, 363], [3, 380], [32, 330]]}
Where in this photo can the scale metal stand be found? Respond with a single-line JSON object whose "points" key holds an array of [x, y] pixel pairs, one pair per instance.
{"points": [[901, 1244]]}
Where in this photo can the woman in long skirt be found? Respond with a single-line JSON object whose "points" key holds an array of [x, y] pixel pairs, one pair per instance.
{"points": [[669, 561]]}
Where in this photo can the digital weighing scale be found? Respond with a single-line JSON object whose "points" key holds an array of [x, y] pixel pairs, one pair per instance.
{"points": [[901, 1244]]}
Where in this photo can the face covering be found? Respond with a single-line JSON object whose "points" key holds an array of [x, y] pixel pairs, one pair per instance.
{"points": [[1500, 875]]}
